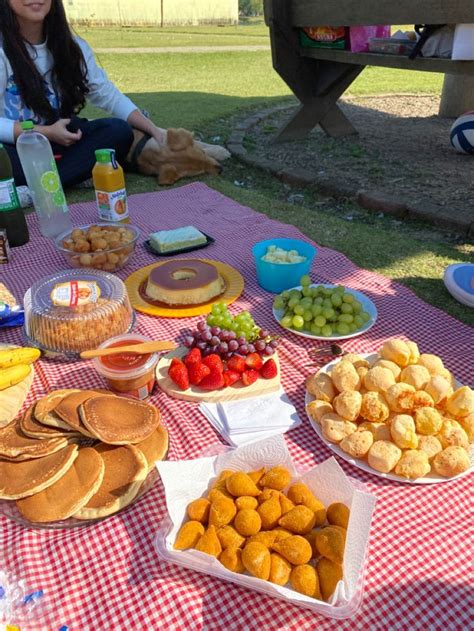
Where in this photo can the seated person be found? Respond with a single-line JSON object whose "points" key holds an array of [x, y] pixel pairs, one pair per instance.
{"points": [[46, 75]]}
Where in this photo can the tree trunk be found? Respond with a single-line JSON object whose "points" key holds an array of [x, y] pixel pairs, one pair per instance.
{"points": [[457, 96]]}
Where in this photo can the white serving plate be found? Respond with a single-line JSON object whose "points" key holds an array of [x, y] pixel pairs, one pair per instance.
{"points": [[367, 305], [431, 478]]}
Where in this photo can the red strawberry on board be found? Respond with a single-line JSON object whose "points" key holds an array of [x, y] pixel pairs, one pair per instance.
{"points": [[213, 361], [176, 361], [213, 381], [237, 363], [269, 369], [253, 360], [193, 357], [197, 372], [250, 376], [179, 375], [231, 376]]}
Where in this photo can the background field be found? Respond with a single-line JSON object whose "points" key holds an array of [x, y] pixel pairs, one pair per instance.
{"points": [[207, 92]]}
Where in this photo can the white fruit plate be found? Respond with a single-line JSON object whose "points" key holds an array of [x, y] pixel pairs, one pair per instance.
{"points": [[431, 478], [367, 305]]}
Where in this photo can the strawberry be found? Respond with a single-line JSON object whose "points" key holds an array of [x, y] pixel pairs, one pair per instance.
{"points": [[236, 362], [213, 381], [213, 361], [250, 376], [231, 376], [176, 361], [179, 374], [193, 357], [269, 369], [197, 372], [253, 360]]}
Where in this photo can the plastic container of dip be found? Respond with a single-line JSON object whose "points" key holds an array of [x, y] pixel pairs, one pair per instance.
{"points": [[126, 373]]}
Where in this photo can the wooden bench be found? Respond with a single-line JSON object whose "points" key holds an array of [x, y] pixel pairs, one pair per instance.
{"points": [[319, 76]]}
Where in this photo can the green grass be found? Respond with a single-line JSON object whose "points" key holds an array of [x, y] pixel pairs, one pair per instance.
{"points": [[207, 92]]}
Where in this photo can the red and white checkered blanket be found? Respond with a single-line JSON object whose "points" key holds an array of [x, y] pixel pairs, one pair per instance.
{"points": [[108, 576]]}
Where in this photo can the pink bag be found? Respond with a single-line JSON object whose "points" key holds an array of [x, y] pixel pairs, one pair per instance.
{"points": [[360, 35]]}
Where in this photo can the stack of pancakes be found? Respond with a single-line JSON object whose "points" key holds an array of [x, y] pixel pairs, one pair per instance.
{"points": [[79, 453]]}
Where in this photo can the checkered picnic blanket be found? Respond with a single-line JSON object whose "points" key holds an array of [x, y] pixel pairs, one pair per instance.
{"points": [[108, 576]]}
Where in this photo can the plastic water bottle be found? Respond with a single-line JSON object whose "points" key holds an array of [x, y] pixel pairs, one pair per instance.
{"points": [[43, 180]]}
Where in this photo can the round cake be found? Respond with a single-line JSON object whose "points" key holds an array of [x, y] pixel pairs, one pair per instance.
{"points": [[184, 282]]}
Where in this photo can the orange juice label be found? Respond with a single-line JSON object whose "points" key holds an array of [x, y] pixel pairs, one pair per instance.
{"points": [[112, 205], [75, 293]]}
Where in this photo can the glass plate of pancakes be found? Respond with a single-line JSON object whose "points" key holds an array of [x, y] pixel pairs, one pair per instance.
{"points": [[76, 457]]}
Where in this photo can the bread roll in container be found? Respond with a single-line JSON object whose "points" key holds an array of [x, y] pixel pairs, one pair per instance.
{"points": [[76, 310]]}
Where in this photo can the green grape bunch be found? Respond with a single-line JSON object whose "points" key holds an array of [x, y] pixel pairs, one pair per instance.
{"points": [[319, 310]]}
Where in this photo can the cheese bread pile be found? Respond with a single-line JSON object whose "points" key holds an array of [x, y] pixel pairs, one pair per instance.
{"points": [[79, 453], [402, 412]]}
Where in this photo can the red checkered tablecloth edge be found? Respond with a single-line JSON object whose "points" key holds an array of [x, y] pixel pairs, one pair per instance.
{"points": [[108, 576]]}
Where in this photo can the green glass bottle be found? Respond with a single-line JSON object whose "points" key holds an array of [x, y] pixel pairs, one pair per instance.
{"points": [[12, 218]]}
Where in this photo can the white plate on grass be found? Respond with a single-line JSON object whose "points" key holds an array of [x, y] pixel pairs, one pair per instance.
{"points": [[367, 305], [431, 478]]}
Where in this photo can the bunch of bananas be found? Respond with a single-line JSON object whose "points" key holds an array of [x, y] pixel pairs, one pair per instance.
{"points": [[15, 365]]}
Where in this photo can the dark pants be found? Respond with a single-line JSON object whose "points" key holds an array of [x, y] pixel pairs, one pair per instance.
{"points": [[77, 161]]}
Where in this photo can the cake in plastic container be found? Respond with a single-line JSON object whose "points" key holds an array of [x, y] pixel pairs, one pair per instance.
{"points": [[76, 310]]}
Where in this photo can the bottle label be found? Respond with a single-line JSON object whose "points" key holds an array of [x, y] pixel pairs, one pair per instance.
{"points": [[8, 195], [112, 206], [76, 293]]}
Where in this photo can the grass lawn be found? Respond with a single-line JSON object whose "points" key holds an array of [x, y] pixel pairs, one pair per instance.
{"points": [[206, 92]]}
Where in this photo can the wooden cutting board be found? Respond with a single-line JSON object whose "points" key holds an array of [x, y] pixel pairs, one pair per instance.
{"points": [[194, 393], [12, 399]]}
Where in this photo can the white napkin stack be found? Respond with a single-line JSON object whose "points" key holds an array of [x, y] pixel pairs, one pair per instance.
{"points": [[248, 420]]}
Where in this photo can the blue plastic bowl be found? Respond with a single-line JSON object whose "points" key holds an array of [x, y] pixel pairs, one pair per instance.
{"points": [[277, 277]]}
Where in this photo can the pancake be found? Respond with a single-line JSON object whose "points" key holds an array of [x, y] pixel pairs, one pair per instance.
{"points": [[119, 420], [70, 493], [44, 408], [34, 429], [15, 444], [184, 282], [125, 470], [155, 447], [22, 479], [68, 410]]}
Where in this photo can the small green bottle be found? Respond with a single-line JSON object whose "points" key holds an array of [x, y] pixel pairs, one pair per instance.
{"points": [[12, 218]]}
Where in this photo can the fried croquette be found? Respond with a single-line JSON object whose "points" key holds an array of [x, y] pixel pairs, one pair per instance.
{"points": [[338, 514]]}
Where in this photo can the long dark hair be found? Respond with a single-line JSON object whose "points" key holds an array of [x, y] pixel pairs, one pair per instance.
{"points": [[69, 73]]}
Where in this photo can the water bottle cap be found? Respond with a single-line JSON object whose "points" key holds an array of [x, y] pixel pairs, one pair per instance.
{"points": [[27, 125], [104, 155]]}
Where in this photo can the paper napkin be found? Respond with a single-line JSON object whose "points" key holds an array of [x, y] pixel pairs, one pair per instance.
{"points": [[249, 420]]}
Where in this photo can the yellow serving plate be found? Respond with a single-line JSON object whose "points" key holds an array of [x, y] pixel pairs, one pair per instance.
{"points": [[234, 287]]}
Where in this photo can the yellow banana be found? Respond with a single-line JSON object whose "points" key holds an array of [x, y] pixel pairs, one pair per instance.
{"points": [[13, 375], [15, 356]]}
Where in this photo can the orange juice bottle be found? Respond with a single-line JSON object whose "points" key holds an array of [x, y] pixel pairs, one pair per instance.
{"points": [[109, 184]]}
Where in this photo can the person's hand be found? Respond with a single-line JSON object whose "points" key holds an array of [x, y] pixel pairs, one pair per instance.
{"points": [[159, 135], [59, 133]]}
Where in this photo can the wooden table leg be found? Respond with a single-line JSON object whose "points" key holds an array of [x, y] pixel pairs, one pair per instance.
{"points": [[322, 109]]}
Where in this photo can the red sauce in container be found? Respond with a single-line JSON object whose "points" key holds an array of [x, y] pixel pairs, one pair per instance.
{"points": [[126, 373]]}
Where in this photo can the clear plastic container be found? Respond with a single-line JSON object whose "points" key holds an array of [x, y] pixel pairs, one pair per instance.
{"points": [[391, 45], [76, 310], [128, 374]]}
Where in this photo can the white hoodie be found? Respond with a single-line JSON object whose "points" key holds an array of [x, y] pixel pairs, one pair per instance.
{"points": [[102, 92]]}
